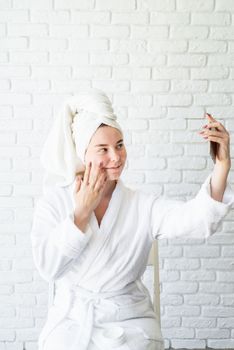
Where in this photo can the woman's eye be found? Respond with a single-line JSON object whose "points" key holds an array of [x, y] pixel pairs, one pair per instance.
{"points": [[102, 149], [120, 145]]}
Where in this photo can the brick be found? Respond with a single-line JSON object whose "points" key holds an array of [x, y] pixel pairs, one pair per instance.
{"points": [[207, 46], [198, 6], [163, 176], [188, 343], [139, 86], [187, 86], [14, 151], [18, 99], [202, 299], [51, 17], [167, 124], [156, 5], [33, 112], [50, 44], [15, 124], [115, 5], [173, 100], [88, 44], [224, 5], [144, 163], [198, 276], [187, 60], [193, 112], [112, 31], [4, 85], [222, 33], [223, 343], [131, 46], [161, 46], [51, 72], [73, 4], [129, 18], [133, 100], [213, 333], [169, 18], [3, 57], [129, 73], [5, 4], [217, 287], [183, 310], [188, 32], [89, 17], [31, 85], [211, 99], [209, 73], [211, 19], [5, 190], [111, 86], [33, 4], [179, 333], [92, 72], [151, 32], [28, 57], [14, 16], [14, 71], [221, 86], [7, 335], [72, 58], [163, 150], [27, 29], [144, 59], [202, 251], [7, 138], [108, 59], [68, 30]]}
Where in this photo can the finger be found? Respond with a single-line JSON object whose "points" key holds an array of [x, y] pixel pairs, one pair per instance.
{"points": [[213, 133], [87, 173], [101, 181], [209, 116], [216, 139], [97, 170], [217, 125], [77, 184]]}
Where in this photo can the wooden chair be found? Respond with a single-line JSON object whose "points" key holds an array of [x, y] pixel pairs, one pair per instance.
{"points": [[154, 261]]}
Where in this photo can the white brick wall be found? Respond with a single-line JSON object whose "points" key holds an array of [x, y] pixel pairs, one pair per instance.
{"points": [[162, 63]]}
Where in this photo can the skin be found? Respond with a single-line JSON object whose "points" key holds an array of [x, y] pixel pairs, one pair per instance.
{"points": [[105, 152], [223, 159]]}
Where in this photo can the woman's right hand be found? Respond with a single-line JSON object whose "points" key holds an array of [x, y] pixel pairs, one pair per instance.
{"points": [[88, 192]]}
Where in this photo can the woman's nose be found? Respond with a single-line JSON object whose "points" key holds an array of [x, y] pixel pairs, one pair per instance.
{"points": [[115, 156]]}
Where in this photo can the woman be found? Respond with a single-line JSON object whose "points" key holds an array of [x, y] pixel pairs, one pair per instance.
{"points": [[92, 235]]}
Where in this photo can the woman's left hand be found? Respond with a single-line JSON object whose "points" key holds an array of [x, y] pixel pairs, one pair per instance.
{"points": [[221, 136]]}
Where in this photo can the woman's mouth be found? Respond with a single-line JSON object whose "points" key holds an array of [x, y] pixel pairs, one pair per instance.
{"points": [[114, 168]]}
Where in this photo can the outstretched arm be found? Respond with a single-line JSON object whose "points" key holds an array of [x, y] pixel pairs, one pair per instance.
{"points": [[223, 160]]}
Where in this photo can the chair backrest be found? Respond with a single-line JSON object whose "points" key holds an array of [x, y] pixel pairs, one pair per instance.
{"points": [[154, 261]]}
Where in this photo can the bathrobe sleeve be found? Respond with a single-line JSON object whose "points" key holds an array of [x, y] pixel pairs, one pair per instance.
{"points": [[56, 242], [195, 218]]}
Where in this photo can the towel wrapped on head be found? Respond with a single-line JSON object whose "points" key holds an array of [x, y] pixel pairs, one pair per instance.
{"points": [[63, 154]]}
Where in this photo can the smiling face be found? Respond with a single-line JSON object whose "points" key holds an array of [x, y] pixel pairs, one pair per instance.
{"points": [[107, 146]]}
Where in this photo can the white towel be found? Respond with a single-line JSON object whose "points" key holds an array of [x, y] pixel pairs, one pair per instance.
{"points": [[64, 149]]}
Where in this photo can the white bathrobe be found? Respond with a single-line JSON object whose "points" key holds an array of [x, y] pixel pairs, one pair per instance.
{"points": [[97, 274]]}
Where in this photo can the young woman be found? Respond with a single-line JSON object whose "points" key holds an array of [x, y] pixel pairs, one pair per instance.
{"points": [[92, 235]]}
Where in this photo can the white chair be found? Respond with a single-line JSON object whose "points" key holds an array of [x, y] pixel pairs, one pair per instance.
{"points": [[154, 261]]}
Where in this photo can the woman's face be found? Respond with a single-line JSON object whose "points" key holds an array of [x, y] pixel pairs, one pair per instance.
{"points": [[106, 146]]}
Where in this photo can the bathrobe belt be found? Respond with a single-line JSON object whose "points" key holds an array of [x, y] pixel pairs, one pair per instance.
{"points": [[88, 300]]}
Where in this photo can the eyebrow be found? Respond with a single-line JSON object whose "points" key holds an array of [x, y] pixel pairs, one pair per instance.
{"points": [[102, 144]]}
